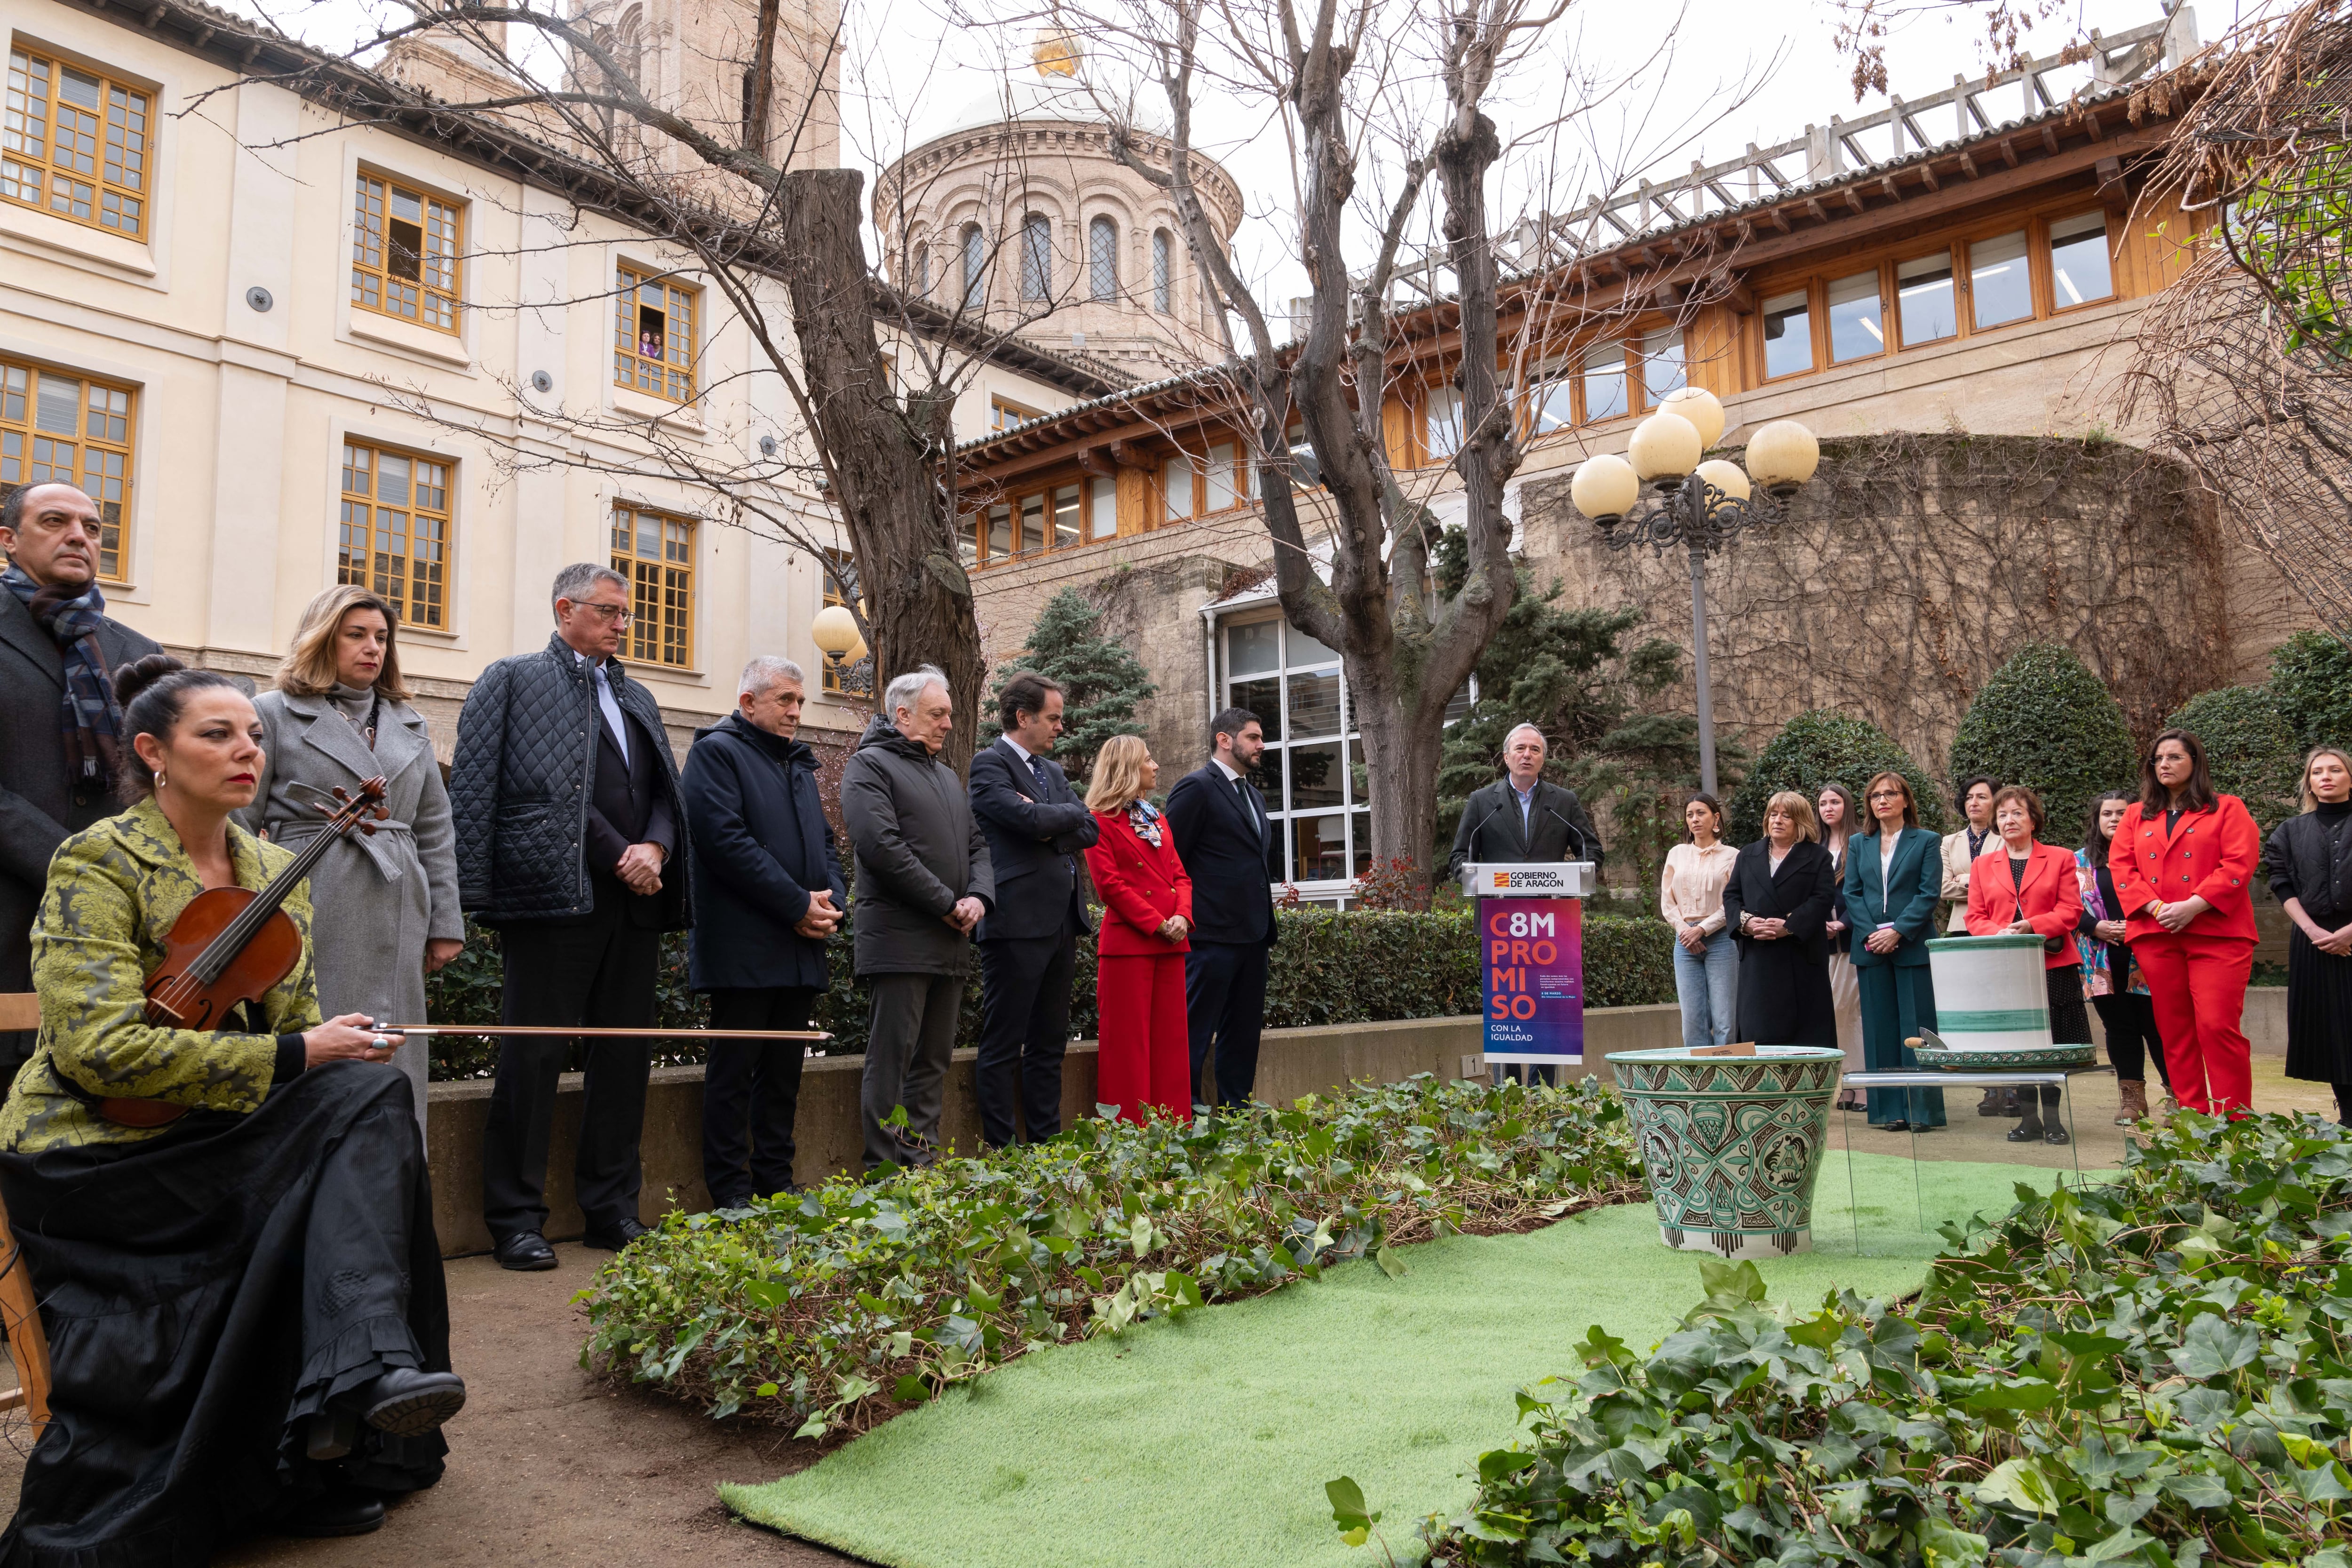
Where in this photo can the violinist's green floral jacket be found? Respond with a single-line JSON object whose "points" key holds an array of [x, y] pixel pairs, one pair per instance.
{"points": [[114, 890]]}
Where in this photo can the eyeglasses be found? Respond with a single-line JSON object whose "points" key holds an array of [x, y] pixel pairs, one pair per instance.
{"points": [[1886, 794], [611, 614]]}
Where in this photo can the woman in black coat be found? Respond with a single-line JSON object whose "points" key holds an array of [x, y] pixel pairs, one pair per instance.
{"points": [[767, 894], [2310, 863], [1778, 906]]}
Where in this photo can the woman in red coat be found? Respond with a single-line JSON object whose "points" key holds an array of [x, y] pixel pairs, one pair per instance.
{"points": [[2023, 886], [2184, 860], [1146, 1057]]}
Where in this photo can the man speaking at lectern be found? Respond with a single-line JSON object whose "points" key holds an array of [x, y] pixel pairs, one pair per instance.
{"points": [[1519, 818]]}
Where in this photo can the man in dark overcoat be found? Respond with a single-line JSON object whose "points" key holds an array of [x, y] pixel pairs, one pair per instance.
{"points": [[571, 844], [59, 722], [767, 894]]}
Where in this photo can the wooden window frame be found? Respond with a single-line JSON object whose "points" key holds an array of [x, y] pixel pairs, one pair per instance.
{"points": [[1570, 360], [423, 583], [978, 525], [101, 465], [660, 634], [125, 110], [674, 379], [424, 292], [2035, 221], [999, 405]]}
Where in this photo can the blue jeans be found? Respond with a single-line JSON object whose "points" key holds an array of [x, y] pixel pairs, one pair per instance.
{"points": [[1709, 984]]}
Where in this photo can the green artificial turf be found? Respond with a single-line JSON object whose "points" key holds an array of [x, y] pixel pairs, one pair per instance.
{"points": [[1206, 1440]]}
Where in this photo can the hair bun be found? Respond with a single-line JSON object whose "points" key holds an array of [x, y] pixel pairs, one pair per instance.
{"points": [[140, 674]]}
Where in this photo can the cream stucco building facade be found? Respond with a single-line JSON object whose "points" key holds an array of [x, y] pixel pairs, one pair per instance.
{"points": [[285, 349]]}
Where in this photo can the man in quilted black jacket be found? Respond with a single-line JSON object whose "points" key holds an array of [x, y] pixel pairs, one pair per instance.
{"points": [[572, 843]]}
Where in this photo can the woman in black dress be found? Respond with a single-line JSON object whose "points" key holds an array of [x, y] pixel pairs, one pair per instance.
{"points": [[1778, 906], [2310, 861]]}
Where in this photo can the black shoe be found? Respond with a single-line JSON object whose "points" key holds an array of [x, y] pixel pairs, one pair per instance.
{"points": [[2057, 1135], [345, 1512], [407, 1403], [525, 1250], [626, 1231], [2026, 1132], [1898, 1127], [1990, 1105]]}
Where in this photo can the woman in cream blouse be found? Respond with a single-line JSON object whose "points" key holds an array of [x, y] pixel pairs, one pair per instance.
{"points": [[1690, 896]]}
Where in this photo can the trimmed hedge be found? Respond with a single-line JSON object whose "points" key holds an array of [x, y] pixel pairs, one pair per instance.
{"points": [[1823, 747], [2249, 748], [1359, 967], [2046, 722], [2311, 677]]}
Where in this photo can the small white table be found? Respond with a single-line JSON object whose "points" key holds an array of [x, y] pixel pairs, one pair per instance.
{"points": [[1930, 1078]]}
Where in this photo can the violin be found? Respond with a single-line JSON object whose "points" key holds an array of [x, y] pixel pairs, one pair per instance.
{"points": [[231, 944]]}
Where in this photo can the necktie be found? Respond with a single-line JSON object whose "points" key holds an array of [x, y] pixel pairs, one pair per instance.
{"points": [[611, 708]]}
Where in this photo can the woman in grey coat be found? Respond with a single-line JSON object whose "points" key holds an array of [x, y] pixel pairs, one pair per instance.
{"points": [[385, 904]]}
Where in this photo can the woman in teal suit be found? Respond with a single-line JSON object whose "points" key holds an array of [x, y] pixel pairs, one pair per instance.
{"points": [[1894, 879]]}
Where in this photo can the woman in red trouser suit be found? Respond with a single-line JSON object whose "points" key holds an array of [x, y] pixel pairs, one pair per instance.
{"points": [[2184, 860], [1146, 1059]]}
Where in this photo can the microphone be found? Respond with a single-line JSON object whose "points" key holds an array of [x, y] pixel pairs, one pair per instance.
{"points": [[1575, 835]]}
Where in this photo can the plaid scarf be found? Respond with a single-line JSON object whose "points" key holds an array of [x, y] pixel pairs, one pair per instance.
{"points": [[91, 723]]}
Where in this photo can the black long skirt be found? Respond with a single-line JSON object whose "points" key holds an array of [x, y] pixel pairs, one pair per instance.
{"points": [[2318, 1013], [205, 1293]]}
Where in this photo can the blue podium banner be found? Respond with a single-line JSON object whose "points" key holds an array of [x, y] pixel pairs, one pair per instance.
{"points": [[1531, 958]]}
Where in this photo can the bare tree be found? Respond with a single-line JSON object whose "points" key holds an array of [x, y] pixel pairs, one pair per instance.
{"points": [[1385, 106], [870, 370], [2243, 364]]}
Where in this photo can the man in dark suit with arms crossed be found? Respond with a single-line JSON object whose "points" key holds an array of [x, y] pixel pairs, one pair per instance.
{"points": [[1036, 827], [1222, 834]]}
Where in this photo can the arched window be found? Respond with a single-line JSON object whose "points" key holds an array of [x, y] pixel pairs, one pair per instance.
{"points": [[1163, 272], [975, 269], [921, 263], [629, 47], [1102, 259], [1036, 258]]}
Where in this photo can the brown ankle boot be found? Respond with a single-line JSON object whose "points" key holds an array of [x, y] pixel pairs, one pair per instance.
{"points": [[2134, 1095]]}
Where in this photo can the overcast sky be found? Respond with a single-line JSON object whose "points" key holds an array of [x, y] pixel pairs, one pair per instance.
{"points": [[1694, 78]]}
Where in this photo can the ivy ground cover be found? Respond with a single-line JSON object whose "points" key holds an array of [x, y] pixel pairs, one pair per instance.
{"points": [[2155, 1372], [833, 1310], [1207, 1439]]}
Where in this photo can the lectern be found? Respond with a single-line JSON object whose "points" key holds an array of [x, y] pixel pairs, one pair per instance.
{"points": [[1531, 957]]}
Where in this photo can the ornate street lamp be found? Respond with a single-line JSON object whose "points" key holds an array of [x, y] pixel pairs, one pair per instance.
{"points": [[1700, 506], [835, 632]]}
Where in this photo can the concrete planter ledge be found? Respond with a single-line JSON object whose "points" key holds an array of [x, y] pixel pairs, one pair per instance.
{"points": [[1291, 1062]]}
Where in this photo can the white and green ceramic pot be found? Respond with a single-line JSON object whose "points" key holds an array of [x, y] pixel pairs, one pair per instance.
{"points": [[1732, 1144], [1990, 992]]}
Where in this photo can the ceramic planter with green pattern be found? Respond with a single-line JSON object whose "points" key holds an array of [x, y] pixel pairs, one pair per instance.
{"points": [[1732, 1144]]}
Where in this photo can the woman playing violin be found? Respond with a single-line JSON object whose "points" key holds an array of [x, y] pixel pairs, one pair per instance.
{"points": [[229, 1230]]}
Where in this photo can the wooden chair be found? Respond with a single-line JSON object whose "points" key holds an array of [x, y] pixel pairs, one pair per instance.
{"points": [[19, 1313]]}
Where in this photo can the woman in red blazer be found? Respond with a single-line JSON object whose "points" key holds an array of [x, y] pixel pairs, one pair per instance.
{"points": [[2021, 887], [1146, 1057], [2184, 860]]}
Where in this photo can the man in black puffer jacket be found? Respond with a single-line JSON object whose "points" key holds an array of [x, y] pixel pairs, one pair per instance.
{"points": [[572, 843], [923, 882]]}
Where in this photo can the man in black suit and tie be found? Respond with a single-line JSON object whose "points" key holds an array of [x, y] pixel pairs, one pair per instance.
{"points": [[571, 843], [1222, 834], [1036, 827]]}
